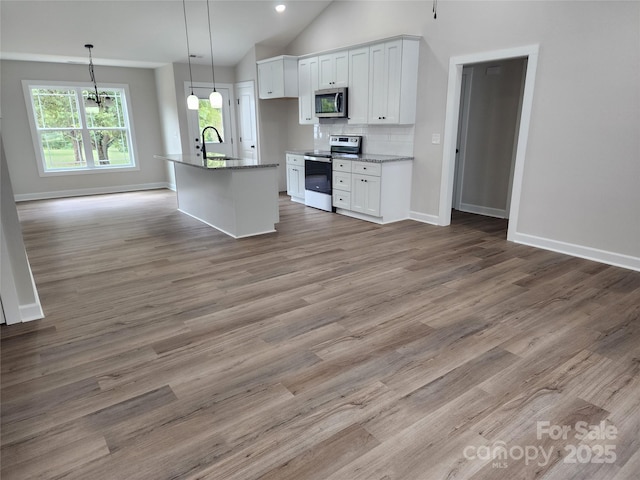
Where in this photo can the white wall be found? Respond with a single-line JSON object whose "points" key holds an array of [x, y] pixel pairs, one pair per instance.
{"points": [[20, 300], [581, 171], [21, 156]]}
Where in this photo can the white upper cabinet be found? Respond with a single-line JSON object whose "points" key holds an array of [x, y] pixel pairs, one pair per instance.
{"points": [[278, 77], [334, 70], [307, 85], [382, 79], [358, 93], [393, 82]]}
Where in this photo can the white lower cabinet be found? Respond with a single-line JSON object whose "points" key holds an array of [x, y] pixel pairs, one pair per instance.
{"points": [[365, 194], [295, 177], [341, 199], [341, 183], [377, 192]]}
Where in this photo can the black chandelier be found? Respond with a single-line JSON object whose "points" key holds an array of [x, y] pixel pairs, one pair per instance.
{"points": [[93, 103]]}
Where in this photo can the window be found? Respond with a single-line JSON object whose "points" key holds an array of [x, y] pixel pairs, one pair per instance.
{"points": [[210, 116], [71, 138]]}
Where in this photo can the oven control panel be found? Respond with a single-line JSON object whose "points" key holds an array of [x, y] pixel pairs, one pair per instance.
{"points": [[345, 143]]}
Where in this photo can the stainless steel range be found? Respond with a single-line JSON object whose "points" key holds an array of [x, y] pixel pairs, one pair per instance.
{"points": [[318, 170]]}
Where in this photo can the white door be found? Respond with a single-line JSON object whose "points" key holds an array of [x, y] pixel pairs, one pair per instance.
{"points": [[461, 143], [218, 117], [246, 107], [307, 86], [358, 86]]}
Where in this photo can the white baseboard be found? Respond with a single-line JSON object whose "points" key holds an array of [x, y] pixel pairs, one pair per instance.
{"points": [[425, 218], [172, 187], [379, 220], [32, 311], [480, 210], [589, 253], [80, 192]]}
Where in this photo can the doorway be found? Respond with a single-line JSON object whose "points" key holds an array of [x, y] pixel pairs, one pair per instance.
{"points": [[454, 89], [490, 106], [247, 129], [220, 116]]}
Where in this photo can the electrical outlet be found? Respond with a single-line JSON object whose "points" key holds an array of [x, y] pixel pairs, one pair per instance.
{"points": [[435, 138]]}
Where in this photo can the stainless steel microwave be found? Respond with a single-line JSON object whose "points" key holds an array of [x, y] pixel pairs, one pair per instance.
{"points": [[331, 103]]}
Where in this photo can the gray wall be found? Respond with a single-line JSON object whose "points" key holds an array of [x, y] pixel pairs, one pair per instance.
{"points": [[581, 173], [21, 156], [493, 117], [168, 110]]}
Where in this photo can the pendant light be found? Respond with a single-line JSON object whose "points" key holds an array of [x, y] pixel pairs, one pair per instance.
{"points": [[92, 104], [192, 101], [215, 98]]}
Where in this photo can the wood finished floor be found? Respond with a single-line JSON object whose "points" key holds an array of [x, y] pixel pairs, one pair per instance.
{"points": [[333, 349]]}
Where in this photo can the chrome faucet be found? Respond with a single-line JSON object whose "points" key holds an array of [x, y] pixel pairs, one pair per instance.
{"points": [[203, 148]]}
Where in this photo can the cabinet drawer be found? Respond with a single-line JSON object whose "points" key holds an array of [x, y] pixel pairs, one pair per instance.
{"points": [[295, 159], [342, 199], [367, 168], [341, 181], [340, 165]]}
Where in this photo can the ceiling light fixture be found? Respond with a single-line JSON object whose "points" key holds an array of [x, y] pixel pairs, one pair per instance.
{"points": [[93, 104], [281, 8], [192, 100], [214, 98]]}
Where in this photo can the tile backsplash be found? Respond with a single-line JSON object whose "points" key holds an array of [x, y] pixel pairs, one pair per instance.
{"points": [[380, 139]]}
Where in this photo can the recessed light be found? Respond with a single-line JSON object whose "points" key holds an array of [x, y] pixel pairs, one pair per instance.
{"points": [[281, 8]]}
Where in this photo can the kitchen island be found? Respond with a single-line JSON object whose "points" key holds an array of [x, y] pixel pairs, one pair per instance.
{"points": [[238, 197]]}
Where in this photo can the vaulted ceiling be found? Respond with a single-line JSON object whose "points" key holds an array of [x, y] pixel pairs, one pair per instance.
{"points": [[147, 33]]}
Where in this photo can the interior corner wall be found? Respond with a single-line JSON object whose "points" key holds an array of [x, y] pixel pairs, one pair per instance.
{"points": [[272, 121], [19, 148], [20, 299], [580, 183], [168, 110], [299, 137], [246, 69]]}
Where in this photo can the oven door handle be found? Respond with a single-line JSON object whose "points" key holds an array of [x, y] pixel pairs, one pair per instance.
{"points": [[318, 159]]}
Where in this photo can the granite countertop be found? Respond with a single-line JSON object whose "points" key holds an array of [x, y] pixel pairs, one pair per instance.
{"points": [[215, 161], [360, 157], [370, 157]]}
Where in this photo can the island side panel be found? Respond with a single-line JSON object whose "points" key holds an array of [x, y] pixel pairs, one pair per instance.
{"points": [[256, 200], [208, 196]]}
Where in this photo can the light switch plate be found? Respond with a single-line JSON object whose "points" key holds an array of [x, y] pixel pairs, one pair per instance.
{"points": [[435, 138]]}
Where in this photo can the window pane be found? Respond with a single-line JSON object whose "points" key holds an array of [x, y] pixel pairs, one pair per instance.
{"points": [[55, 108], [110, 147], [209, 116], [110, 114], [62, 149]]}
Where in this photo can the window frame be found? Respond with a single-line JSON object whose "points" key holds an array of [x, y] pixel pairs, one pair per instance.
{"points": [[28, 85]]}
